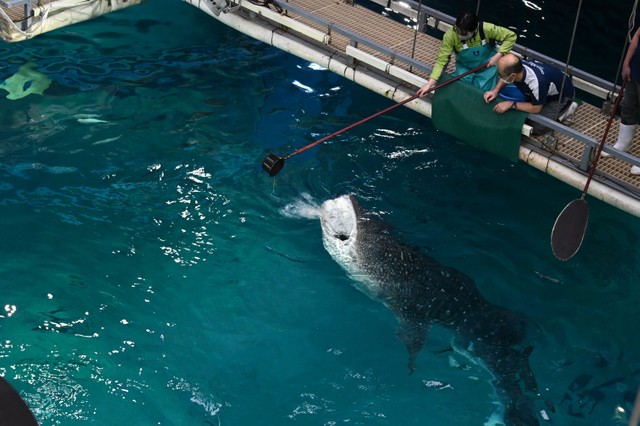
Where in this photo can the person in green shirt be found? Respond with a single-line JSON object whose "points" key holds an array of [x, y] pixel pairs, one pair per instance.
{"points": [[474, 43]]}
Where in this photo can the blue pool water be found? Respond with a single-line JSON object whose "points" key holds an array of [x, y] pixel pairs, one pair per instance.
{"points": [[152, 274]]}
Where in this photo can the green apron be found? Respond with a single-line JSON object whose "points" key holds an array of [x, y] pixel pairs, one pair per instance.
{"points": [[471, 57]]}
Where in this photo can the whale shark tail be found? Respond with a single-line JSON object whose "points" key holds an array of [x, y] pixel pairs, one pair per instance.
{"points": [[520, 388]]}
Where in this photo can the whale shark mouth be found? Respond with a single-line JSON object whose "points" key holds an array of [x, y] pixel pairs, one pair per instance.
{"points": [[339, 220]]}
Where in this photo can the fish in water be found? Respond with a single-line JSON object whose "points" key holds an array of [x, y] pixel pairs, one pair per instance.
{"points": [[108, 140], [89, 119], [421, 292]]}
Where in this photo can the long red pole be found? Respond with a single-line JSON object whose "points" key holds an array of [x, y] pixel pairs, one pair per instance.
{"points": [[384, 111]]}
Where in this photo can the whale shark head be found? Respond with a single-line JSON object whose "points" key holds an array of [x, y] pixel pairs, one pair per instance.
{"points": [[339, 221], [344, 230]]}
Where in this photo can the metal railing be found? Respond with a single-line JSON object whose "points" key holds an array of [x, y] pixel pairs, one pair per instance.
{"points": [[441, 21], [428, 16], [354, 37]]}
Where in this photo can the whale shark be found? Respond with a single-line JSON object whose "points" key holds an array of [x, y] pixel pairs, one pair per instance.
{"points": [[421, 292]]}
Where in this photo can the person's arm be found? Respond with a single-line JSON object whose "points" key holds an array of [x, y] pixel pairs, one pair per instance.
{"points": [[635, 413], [528, 107], [504, 106], [446, 49], [493, 93], [626, 66], [505, 36], [427, 87]]}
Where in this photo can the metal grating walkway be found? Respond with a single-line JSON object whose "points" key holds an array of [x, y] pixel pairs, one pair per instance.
{"points": [[592, 122], [424, 48], [372, 26], [16, 13]]}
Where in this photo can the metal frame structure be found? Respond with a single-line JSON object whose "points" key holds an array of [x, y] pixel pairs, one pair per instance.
{"points": [[441, 21]]}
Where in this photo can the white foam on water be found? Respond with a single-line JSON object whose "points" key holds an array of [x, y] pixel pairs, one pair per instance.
{"points": [[304, 208], [496, 419]]}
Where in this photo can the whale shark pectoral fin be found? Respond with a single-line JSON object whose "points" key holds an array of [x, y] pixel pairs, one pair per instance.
{"points": [[530, 382], [414, 336]]}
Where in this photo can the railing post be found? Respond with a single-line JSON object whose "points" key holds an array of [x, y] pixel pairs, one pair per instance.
{"points": [[350, 59], [27, 15], [585, 160]]}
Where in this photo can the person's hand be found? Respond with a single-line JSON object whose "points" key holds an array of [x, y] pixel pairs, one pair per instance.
{"points": [[426, 88], [626, 72], [502, 107], [494, 59], [490, 96]]}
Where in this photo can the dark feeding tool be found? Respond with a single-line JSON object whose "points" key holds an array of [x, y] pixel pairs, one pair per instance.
{"points": [[570, 226]]}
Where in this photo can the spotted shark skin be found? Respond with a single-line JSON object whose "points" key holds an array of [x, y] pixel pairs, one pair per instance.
{"points": [[421, 292]]}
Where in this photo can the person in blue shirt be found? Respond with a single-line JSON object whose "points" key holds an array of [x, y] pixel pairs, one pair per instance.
{"points": [[540, 84]]}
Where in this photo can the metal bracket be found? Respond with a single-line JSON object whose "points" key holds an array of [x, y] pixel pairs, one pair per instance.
{"points": [[221, 6], [217, 6], [606, 107], [587, 158], [550, 141]]}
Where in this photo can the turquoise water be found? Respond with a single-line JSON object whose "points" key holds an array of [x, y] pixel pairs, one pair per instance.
{"points": [[151, 273]]}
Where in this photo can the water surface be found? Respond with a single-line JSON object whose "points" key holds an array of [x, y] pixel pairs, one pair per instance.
{"points": [[153, 274]]}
